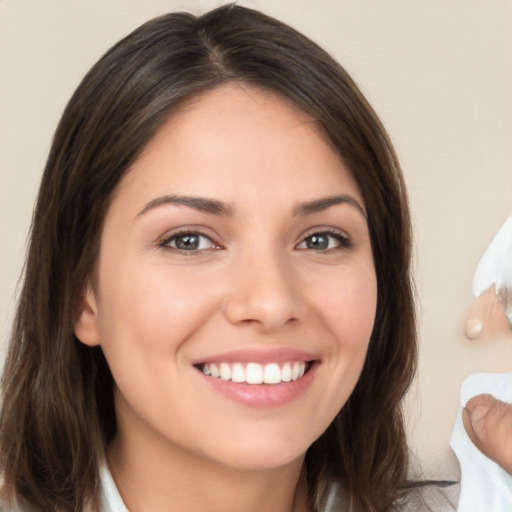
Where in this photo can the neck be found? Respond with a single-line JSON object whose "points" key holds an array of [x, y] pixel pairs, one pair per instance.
{"points": [[153, 474]]}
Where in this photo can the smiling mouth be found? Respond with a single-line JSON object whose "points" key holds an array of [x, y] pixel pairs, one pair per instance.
{"points": [[255, 373]]}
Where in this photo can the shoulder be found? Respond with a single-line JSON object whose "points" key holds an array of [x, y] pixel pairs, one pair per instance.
{"points": [[5, 507], [421, 496], [433, 497], [10, 503]]}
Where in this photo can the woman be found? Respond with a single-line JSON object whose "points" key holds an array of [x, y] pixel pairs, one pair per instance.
{"points": [[217, 305]]}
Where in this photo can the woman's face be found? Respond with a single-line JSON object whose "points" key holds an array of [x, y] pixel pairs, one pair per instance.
{"points": [[235, 251]]}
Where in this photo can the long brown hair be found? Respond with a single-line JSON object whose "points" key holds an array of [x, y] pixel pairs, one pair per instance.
{"points": [[58, 411]]}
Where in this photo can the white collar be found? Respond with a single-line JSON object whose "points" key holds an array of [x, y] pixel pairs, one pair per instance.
{"points": [[111, 500]]}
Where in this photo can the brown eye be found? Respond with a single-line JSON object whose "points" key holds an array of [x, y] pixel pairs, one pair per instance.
{"points": [[323, 242], [188, 242], [317, 242]]}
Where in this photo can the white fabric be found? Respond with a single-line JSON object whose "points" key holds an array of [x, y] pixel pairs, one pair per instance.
{"points": [[111, 500], [485, 486]]}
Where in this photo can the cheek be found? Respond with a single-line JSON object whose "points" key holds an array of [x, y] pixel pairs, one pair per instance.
{"points": [[147, 319], [151, 312], [356, 307], [347, 304]]}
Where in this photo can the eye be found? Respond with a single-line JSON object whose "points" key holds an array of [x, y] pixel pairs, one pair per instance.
{"points": [[189, 242], [325, 241]]}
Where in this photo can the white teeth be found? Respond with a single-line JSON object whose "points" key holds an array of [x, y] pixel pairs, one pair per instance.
{"points": [[238, 373], [254, 373], [225, 372], [295, 371], [286, 373], [272, 374], [214, 371]]}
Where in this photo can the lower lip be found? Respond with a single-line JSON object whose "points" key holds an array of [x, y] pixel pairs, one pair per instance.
{"points": [[262, 395]]}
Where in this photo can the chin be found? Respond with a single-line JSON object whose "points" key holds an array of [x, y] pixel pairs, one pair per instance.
{"points": [[261, 449], [262, 460]]}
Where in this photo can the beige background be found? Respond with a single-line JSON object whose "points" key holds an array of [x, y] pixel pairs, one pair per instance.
{"points": [[439, 73]]}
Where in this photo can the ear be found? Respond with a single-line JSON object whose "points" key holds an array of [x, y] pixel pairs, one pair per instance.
{"points": [[86, 324]]}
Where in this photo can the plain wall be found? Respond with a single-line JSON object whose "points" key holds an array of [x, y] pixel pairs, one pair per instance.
{"points": [[438, 72]]}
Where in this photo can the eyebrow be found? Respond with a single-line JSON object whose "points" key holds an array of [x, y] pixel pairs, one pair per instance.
{"points": [[201, 204], [215, 207], [322, 204]]}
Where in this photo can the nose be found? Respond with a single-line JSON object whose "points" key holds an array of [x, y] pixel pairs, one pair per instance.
{"points": [[263, 292]]}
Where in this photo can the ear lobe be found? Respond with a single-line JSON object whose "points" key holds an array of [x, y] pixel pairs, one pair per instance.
{"points": [[86, 324]]}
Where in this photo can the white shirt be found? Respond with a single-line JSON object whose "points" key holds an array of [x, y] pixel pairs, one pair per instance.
{"points": [[111, 500]]}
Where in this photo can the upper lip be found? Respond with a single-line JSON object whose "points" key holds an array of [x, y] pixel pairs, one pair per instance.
{"points": [[259, 355]]}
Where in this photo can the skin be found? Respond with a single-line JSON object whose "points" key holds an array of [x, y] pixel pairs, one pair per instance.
{"points": [[488, 422], [256, 282]]}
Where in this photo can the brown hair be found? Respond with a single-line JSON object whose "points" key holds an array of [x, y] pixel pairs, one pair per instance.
{"points": [[58, 411]]}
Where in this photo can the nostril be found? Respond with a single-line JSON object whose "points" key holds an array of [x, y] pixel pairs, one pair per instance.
{"points": [[268, 314]]}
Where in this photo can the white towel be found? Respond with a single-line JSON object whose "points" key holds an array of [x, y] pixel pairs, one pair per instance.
{"points": [[485, 486]]}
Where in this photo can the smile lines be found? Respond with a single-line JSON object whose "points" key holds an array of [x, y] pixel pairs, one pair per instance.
{"points": [[254, 373]]}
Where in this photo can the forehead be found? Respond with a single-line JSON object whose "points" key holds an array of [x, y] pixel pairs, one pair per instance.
{"points": [[235, 138]]}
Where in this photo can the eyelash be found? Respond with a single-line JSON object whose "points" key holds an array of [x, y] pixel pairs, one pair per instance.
{"points": [[165, 243], [341, 239]]}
